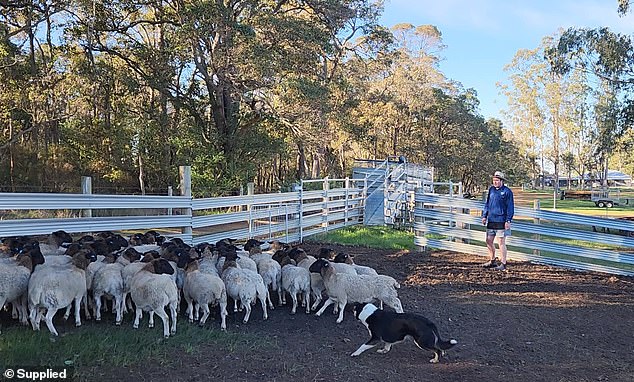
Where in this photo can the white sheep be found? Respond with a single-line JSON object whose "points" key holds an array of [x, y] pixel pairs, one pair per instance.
{"points": [[14, 283], [240, 286], [346, 288], [317, 286], [204, 289], [108, 281], [152, 289], [56, 288], [296, 281]]}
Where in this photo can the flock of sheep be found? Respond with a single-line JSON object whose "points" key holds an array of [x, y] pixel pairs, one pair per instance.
{"points": [[150, 273]]}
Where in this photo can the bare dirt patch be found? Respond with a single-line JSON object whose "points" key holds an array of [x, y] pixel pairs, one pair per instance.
{"points": [[530, 323]]}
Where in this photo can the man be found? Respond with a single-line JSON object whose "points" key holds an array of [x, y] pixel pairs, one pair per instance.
{"points": [[497, 216]]}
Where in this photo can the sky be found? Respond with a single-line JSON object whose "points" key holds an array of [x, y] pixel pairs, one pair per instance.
{"points": [[482, 36]]}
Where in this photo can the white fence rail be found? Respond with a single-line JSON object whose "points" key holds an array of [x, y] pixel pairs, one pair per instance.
{"points": [[289, 216], [539, 236]]}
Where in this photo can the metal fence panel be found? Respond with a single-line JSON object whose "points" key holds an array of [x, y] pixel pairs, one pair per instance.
{"points": [[540, 234]]}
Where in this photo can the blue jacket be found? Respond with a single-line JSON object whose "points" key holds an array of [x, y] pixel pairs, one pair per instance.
{"points": [[499, 205]]}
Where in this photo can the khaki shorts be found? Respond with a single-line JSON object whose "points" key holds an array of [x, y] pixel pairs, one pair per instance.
{"points": [[499, 232]]}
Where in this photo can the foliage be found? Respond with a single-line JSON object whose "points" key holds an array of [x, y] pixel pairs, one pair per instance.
{"points": [[249, 91]]}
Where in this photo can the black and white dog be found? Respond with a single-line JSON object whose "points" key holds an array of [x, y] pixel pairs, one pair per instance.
{"points": [[391, 328]]}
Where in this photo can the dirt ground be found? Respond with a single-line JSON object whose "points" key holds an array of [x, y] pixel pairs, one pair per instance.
{"points": [[530, 323]]}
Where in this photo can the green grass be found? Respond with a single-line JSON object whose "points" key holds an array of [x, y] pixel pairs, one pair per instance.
{"points": [[370, 237], [96, 344]]}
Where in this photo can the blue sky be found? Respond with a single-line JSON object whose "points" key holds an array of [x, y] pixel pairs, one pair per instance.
{"points": [[482, 36]]}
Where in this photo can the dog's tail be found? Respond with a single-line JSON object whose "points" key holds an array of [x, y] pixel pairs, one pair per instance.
{"points": [[445, 345], [440, 343]]}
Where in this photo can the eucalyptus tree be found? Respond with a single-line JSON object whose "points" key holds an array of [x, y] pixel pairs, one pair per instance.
{"points": [[543, 106], [34, 93], [605, 56]]}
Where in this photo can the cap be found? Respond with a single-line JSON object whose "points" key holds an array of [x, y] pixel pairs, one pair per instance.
{"points": [[499, 174]]}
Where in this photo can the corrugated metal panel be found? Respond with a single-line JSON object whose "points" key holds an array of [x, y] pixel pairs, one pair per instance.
{"points": [[479, 250], [34, 201], [20, 227], [588, 253]]}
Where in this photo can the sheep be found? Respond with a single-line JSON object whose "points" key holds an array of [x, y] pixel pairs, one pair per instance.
{"points": [[269, 269], [127, 273], [56, 288], [240, 285], [204, 289], [14, 283], [271, 273], [152, 289], [296, 281], [56, 242], [243, 259], [302, 259], [360, 269], [108, 281], [345, 288]]}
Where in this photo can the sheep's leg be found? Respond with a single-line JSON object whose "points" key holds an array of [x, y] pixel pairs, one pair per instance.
{"points": [[317, 301], [86, 310], [247, 307], [32, 315], [307, 298], [166, 328], [67, 312], [77, 310], [280, 293], [268, 299], [151, 324], [223, 315], [262, 299], [196, 311], [326, 304], [48, 319], [173, 313], [15, 314], [22, 312], [342, 307], [235, 305], [203, 319], [190, 309], [118, 309], [97, 297], [294, 298], [137, 317]]}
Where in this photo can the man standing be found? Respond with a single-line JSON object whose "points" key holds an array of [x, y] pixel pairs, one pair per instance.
{"points": [[497, 215]]}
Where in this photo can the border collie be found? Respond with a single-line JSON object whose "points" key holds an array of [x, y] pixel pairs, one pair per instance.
{"points": [[391, 328]]}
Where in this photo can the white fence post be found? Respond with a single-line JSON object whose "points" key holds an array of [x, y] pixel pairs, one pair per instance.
{"points": [[185, 174], [170, 192], [86, 188], [345, 210], [250, 191], [324, 210], [536, 221], [301, 211]]}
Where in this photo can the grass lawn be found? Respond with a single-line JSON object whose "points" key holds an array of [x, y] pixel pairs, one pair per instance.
{"points": [[369, 236]]}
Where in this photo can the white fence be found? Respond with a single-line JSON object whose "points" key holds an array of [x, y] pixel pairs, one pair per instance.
{"points": [[289, 216], [539, 236]]}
